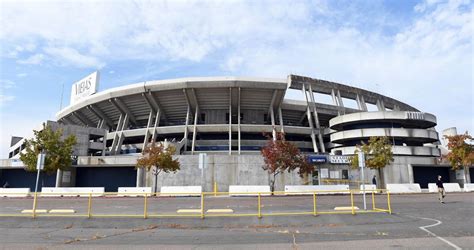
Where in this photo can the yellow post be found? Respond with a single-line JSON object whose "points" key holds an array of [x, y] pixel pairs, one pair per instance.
{"points": [[202, 205], [388, 203], [259, 209], [352, 202], [215, 188], [145, 207], [314, 204], [34, 204], [89, 206], [373, 200]]}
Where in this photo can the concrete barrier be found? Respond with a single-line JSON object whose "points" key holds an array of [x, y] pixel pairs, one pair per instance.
{"points": [[14, 192], [448, 187], [134, 191], [181, 191], [404, 188], [369, 188], [319, 189], [468, 187], [247, 190], [72, 191]]}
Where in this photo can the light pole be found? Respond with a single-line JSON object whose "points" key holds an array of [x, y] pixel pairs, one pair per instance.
{"points": [[362, 166]]}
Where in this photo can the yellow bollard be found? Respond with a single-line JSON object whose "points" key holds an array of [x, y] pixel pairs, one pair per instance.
{"points": [[388, 202], [259, 209], [34, 205], [215, 188], [314, 204], [89, 206], [202, 205], [352, 202], [145, 207], [373, 200]]}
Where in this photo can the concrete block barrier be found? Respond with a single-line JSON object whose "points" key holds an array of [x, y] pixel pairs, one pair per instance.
{"points": [[181, 191], [404, 188], [320, 189], [14, 192], [448, 187], [134, 191], [369, 188], [72, 191], [468, 187], [247, 190]]}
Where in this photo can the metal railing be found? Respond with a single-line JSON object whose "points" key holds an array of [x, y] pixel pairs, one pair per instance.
{"points": [[311, 202]]}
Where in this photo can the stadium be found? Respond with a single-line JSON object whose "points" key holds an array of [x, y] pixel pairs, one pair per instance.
{"points": [[219, 124]]}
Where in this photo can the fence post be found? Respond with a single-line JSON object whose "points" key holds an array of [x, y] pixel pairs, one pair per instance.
{"points": [[89, 206], [145, 207], [314, 204], [215, 188], [259, 210], [352, 202], [388, 203], [34, 205], [373, 200], [202, 205]]}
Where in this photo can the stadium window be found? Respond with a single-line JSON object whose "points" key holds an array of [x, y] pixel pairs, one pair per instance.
{"points": [[265, 117], [227, 117], [241, 116], [203, 117]]}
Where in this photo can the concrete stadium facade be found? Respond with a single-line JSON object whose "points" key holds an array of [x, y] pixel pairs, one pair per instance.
{"points": [[226, 118]]}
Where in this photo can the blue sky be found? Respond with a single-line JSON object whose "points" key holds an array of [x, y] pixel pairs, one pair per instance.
{"points": [[419, 52]]}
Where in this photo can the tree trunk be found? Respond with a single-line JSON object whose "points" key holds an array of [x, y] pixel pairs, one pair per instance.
{"points": [[381, 182]]}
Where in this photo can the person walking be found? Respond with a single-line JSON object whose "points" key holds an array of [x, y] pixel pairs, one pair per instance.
{"points": [[374, 181], [441, 191]]}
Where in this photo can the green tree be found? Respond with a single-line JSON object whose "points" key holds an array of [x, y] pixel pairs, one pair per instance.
{"points": [[461, 155], [58, 151], [378, 154], [280, 155], [160, 158]]}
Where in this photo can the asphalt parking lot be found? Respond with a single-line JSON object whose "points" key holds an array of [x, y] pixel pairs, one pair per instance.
{"points": [[418, 221]]}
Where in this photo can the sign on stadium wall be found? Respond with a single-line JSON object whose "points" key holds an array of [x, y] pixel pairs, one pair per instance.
{"points": [[85, 87]]}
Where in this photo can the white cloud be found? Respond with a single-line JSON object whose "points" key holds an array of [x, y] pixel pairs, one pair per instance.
{"points": [[21, 75], [34, 59], [430, 53], [5, 98], [69, 56]]}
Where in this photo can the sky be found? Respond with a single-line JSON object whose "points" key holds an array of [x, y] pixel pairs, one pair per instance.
{"points": [[418, 52]]}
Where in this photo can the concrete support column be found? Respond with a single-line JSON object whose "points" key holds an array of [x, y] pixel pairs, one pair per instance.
{"points": [[59, 177], [411, 178], [238, 121], [280, 116], [335, 101], [380, 105], [316, 120], [194, 129], [361, 102], [310, 120], [140, 177], [186, 128]]}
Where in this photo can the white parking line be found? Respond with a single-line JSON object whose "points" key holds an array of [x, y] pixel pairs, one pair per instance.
{"points": [[438, 222]]}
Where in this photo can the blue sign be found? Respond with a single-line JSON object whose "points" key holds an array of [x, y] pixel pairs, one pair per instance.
{"points": [[317, 159]]}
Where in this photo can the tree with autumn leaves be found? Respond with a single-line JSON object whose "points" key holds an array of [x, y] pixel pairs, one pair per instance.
{"points": [[160, 158], [461, 153], [280, 155], [58, 150], [378, 154]]}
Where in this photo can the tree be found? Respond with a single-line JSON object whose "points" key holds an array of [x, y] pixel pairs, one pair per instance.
{"points": [[280, 155], [160, 158], [378, 154], [58, 151], [461, 155]]}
